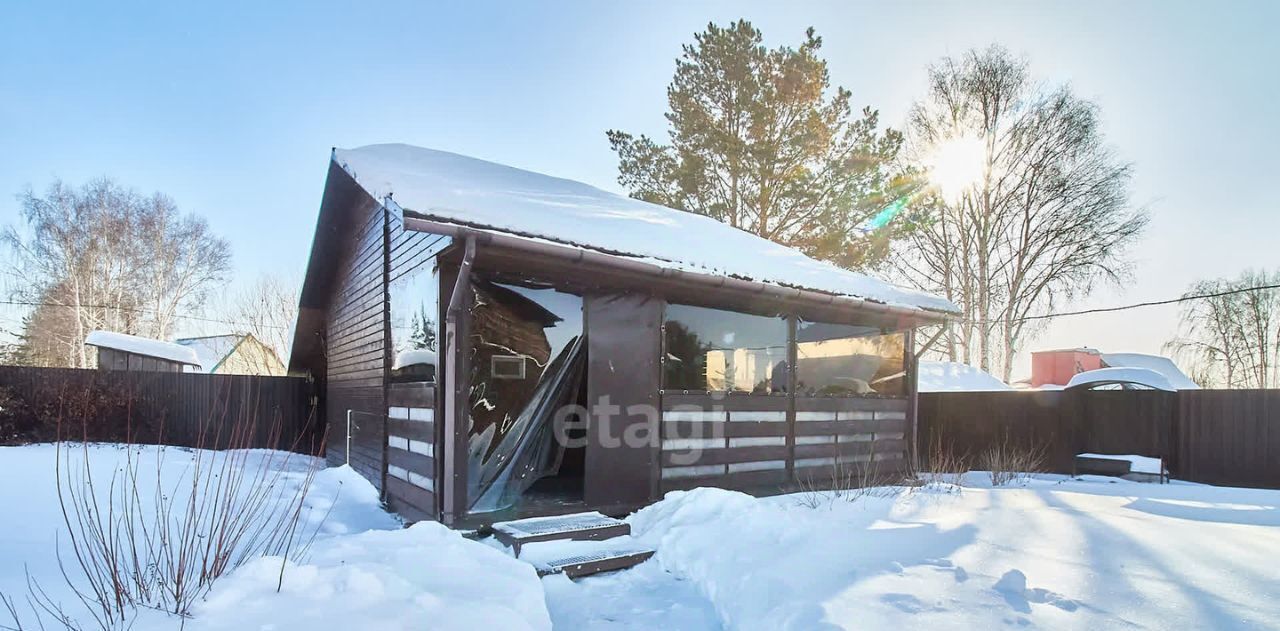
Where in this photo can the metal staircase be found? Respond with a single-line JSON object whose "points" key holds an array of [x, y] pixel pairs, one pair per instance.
{"points": [[574, 545]]}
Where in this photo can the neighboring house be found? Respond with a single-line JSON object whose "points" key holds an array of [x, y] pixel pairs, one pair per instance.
{"points": [[725, 359], [120, 351], [234, 354], [1057, 368]]}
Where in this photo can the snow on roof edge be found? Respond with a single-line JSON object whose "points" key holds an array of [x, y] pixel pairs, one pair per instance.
{"points": [[658, 262], [142, 346], [527, 205], [1159, 363], [1141, 376]]}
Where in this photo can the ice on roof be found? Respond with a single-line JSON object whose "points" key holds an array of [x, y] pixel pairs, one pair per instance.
{"points": [[142, 346], [455, 189]]}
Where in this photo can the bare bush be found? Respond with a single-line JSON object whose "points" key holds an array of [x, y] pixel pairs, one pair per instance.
{"points": [[939, 469], [134, 543], [847, 482], [1008, 463]]}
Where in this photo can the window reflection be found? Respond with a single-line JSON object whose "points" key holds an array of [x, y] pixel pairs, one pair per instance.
{"points": [[724, 351], [527, 362], [415, 296], [838, 359]]}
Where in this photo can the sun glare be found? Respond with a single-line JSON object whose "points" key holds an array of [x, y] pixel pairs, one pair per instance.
{"points": [[956, 164]]}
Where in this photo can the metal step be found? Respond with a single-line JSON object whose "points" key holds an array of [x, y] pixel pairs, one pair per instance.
{"points": [[593, 563], [577, 527]]}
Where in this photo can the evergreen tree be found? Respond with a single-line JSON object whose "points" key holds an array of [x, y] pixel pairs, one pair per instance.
{"points": [[422, 332], [757, 143]]}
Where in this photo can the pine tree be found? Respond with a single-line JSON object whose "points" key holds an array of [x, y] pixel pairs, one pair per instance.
{"points": [[422, 332], [757, 143]]}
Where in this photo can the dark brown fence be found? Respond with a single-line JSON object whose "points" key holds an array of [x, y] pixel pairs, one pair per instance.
{"points": [[184, 409], [1216, 436], [1230, 437]]}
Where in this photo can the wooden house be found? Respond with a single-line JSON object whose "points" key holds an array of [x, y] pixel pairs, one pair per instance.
{"points": [[586, 351], [234, 354]]}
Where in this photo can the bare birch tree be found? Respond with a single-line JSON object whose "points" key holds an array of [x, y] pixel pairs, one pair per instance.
{"points": [[111, 259], [267, 309], [1045, 218], [1232, 338]]}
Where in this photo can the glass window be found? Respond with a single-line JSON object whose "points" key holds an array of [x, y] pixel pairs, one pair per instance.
{"points": [[415, 305], [724, 351], [838, 359]]}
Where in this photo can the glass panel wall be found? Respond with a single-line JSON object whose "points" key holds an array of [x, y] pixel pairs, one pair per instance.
{"points": [[724, 351], [844, 360], [415, 305]]}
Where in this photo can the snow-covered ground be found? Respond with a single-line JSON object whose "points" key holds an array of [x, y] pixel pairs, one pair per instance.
{"points": [[1053, 553], [364, 570]]}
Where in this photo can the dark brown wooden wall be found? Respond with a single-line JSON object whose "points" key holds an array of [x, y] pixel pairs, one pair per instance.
{"points": [[355, 344]]}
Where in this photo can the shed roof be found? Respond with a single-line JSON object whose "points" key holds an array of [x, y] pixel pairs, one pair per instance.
{"points": [[212, 350], [159, 349], [453, 189]]}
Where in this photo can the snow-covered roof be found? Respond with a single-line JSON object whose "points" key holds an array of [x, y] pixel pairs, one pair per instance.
{"points": [[211, 350], [142, 346], [1162, 365], [1138, 376], [454, 189], [957, 377]]}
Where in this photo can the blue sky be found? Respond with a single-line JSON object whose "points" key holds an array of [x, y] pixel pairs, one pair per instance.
{"points": [[232, 108]]}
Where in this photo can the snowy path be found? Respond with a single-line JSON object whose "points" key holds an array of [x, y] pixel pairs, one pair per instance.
{"points": [[644, 598]]}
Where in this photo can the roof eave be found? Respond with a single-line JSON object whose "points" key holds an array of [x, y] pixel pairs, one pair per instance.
{"points": [[422, 223]]}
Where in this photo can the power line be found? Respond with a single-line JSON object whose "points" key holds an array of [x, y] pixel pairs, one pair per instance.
{"points": [[23, 303], [1138, 305]]}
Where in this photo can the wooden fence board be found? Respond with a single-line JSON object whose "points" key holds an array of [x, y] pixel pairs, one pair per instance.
{"points": [[1228, 437], [183, 409]]}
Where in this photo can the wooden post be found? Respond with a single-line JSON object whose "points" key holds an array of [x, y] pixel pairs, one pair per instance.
{"points": [[792, 355], [453, 482], [913, 401]]}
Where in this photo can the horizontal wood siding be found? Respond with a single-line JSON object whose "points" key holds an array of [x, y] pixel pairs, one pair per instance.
{"points": [[356, 331], [411, 450], [755, 442]]}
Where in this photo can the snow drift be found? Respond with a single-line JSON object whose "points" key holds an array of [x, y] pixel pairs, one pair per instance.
{"points": [[956, 377]]}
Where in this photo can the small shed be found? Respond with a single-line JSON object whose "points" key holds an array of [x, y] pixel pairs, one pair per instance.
{"points": [[1056, 367], [120, 351], [586, 351], [234, 354]]}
